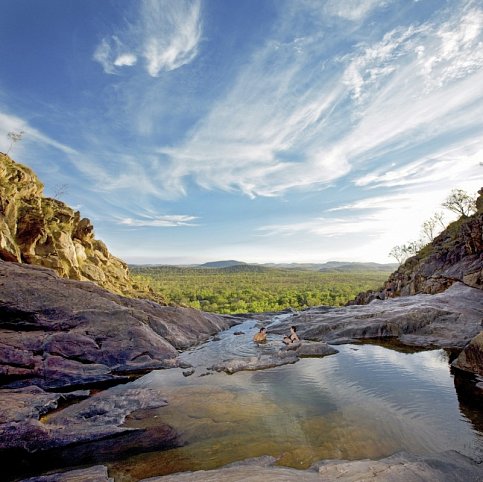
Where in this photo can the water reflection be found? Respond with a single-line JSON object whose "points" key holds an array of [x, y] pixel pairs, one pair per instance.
{"points": [[365, 402]]}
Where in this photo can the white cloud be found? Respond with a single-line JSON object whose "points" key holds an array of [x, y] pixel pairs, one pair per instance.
{"points": [[324, 227], [172, 33], [353, 10], [166, 35], [167, 221], [125, 60], [11, 123], [289, 123]]}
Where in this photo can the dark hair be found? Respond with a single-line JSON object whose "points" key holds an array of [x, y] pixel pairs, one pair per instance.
{"points": [[262, 329], [294, 328]]}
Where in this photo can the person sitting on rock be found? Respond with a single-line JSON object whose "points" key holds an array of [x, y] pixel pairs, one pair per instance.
{"points": [[293, 337], [261, 336]]}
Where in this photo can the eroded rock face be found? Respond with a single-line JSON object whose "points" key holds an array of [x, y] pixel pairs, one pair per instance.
{"points": [[46, 232], [455, 255], [56, 332]]}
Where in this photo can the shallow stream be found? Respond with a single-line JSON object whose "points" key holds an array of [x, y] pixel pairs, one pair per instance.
{"points": [[364, 402]]}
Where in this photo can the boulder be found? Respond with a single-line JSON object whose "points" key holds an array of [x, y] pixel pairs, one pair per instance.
{"points": [[261, 362], [471, 358]]}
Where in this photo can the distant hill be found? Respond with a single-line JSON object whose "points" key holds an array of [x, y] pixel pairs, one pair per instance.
{"points": [[336, 266], [344, 267], [245, 268], [221, 264]]}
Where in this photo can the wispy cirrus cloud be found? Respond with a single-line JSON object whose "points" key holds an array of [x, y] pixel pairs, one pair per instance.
{"points": [[290, 122], [166, 221], [12, 123], [166, 35], [353, 9]]}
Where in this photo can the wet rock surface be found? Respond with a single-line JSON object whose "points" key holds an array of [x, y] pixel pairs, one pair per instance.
{"points": [[284, 356], [24, 426], [402, 467], [97, 473], [471, 358]]}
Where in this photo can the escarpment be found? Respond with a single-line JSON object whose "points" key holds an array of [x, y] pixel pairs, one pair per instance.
{"points": [[456, 255], [42, 231]]}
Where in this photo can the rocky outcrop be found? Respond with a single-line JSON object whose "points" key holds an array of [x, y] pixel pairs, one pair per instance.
{"points": [[43, 231], [446, 320], [455, 255], [56, 332]]}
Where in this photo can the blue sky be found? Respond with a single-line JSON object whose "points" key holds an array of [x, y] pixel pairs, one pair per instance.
{"points": [[258, 130]]}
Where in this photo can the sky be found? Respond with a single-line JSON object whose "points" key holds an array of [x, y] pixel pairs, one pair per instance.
{"points": [[256, 130]]}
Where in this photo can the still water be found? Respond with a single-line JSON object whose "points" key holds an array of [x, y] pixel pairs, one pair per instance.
{"points": [[364, 402]]}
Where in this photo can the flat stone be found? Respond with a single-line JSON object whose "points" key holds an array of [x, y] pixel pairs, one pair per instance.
{"points": [[97, 473], [402, 467], [261, 362]]}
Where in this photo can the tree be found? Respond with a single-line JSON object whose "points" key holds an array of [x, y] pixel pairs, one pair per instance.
{"points": [[14, 138], [460, 202], [402, 252], [430, 227], [398, 253]]}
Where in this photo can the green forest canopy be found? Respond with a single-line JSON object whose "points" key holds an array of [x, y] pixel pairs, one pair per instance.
{"points": [[254, 289]]}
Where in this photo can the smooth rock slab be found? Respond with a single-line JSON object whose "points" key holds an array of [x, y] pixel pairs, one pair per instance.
{"points": [[444, 320], [98, 473], [57, 332], [256, 363], [97, 417], [312, 349], [402, 467]]}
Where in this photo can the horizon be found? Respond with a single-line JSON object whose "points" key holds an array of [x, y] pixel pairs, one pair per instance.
{"points": [[254, 263], [277, 132]]}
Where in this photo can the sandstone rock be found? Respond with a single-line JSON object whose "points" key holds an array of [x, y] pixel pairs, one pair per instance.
{"points": [[471, 358], [455, 255], [256, 363], [314, 349], [57, 332], [46, 232], [445, 320], [95, 418]]}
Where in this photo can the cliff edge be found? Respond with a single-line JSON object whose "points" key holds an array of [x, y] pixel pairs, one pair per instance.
{"points": [[456, 255], [42, 231]]}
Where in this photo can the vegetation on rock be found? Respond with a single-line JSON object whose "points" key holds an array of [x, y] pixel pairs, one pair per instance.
{"points": [[43, 231], [456, 254]]}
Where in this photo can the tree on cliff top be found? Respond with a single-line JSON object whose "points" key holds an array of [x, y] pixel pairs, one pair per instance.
{"points": [[460, 202], [14, 138]]}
